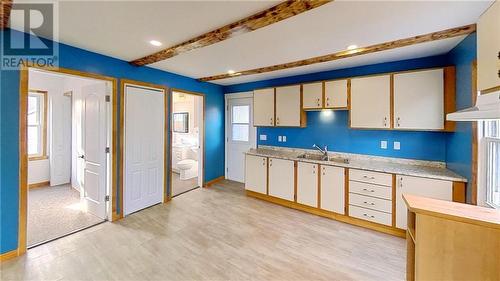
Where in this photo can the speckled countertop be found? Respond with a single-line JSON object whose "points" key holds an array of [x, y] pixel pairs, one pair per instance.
{"points": [[418, 168]]}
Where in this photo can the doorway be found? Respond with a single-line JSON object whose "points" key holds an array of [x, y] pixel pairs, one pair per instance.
{"points": [[187, 129], [240, 133], [68, 140]]}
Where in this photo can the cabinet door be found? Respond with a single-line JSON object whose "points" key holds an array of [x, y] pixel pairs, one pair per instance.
{"points": [[288, 109], [332, 189], [488, 48], [419, 100], [370, 102], [437, 189], [263, 106], [312, 96], [256, 173], [307, 184], [281, 178], [336, 94]]}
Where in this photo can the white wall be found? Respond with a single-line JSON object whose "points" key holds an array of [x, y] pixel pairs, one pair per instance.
{"points": [[191, 104]]}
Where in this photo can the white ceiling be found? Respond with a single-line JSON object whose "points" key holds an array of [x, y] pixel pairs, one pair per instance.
{"points": [[122, 29]]}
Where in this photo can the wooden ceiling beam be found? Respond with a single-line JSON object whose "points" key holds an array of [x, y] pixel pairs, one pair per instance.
{"points": [[439, 35], [5, 8], [272, 15]]}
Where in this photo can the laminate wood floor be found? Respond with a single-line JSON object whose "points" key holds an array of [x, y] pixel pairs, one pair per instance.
{"points": [[216, 233]]}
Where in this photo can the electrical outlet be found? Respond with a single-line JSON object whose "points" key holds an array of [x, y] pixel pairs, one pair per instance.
{"points": [[280, 138], [383, 144], [397, 145], [284, 138], [263, 137]]}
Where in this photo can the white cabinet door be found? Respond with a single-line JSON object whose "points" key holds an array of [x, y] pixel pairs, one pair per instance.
{"points": [[312, 95], [288, 109], [488, 48], [370, 102], [332, 189], [263, 106], [256, 174], [281, 178], [307, 184], [336, 94], [437, 189], [419, 100]]}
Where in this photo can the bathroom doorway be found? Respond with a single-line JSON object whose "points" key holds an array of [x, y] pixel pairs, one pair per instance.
{"points": [[187, 129]]}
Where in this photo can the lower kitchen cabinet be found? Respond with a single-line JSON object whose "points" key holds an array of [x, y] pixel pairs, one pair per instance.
{"points": [[281, 178], [256, 173], [437, 189], [307, 184], [332, 189]]}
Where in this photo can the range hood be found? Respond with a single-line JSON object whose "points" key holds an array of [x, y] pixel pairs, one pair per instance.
{"points": [[487, 108]]}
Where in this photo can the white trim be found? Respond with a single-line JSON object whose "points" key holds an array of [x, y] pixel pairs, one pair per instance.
{"points": [[241, 95]]}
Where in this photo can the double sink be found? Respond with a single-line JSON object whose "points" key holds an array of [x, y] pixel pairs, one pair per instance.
{"points": [[318, 157]]}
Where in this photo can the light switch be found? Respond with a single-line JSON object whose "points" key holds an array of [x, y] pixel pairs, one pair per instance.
{"points": [[280, 138], [263, 137], [397, 145], [284, 138], [383, 144]]}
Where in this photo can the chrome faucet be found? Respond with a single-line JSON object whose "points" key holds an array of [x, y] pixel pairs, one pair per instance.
{"points": [[323, 151]]}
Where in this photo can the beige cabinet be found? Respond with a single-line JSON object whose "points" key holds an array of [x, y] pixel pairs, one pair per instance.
{"points": [[281, 178], [432, 188], [332, 189], [488, 48], [307, 184], [288, 107], [263, 106], [370, 102], [256, 173], [419, 100], [336, 94], [312, 96]]}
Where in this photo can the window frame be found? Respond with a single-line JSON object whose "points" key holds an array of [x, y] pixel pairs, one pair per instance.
{"points": [[488, 141], [42, 124], [487, 136]]}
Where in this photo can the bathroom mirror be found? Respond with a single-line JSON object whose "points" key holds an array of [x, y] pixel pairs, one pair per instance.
{"points": [[181, 122]]}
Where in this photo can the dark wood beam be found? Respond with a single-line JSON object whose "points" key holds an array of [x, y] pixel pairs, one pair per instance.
{"points": [[439, 35], [5, 8], [272, 15]]}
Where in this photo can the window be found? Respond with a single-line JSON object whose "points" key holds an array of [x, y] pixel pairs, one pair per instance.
{"points": [[490, 132], [37, 124], [240, 122]]}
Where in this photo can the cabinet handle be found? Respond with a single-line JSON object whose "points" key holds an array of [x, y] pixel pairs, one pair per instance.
{"points": [[369, 190], [277, 120], [369, 203], [366, 215], [367, 177], [271, 120], [385, 121], [397, 121]]}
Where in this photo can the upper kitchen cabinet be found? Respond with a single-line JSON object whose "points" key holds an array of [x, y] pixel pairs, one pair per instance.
{"points": [[488, 49], [370, 102], [336, 94], [263, 106], [289, 111], [312, 96], [419, 100]]}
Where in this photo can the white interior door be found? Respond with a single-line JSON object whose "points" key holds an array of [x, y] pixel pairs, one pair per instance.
{"points": [[240, 136], [94, 149], [60, 139], [144, 148]]}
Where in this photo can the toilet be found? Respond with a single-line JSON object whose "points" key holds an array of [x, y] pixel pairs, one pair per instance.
{"points": [[188, 168]]}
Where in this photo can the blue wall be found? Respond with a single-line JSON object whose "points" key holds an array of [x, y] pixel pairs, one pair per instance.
{"points": [[459, 143], [78, 59], [333, 130]]}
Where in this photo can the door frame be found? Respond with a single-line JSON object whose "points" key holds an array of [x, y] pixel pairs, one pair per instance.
{"points": [[227, 97], [23, 146], [166, 142], [170, 169]]}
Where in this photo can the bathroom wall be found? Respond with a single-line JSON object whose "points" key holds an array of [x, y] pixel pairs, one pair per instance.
{"points": [[182, 102]]}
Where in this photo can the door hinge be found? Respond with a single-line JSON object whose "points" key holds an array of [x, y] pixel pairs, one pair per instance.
{"points": [[106, 198], [108, 98], [106, 150], [227, 169]]}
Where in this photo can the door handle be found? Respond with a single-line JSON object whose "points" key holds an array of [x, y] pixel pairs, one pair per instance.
{"points": [[81, 156]]}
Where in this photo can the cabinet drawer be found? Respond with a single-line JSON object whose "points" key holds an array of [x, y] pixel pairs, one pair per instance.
{"points": [[373, 203], [384, 192], [370, 215], [370, 177]]}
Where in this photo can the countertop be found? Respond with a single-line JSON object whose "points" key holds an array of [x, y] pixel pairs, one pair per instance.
{"points": [[407, 167]]}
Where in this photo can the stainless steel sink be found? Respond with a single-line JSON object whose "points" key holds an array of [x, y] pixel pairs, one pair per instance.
{"points": [[318, 157]]}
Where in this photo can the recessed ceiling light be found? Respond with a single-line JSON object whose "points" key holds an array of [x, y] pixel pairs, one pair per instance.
{"points": [[352, 47], [155, 43], [231, 72]]}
